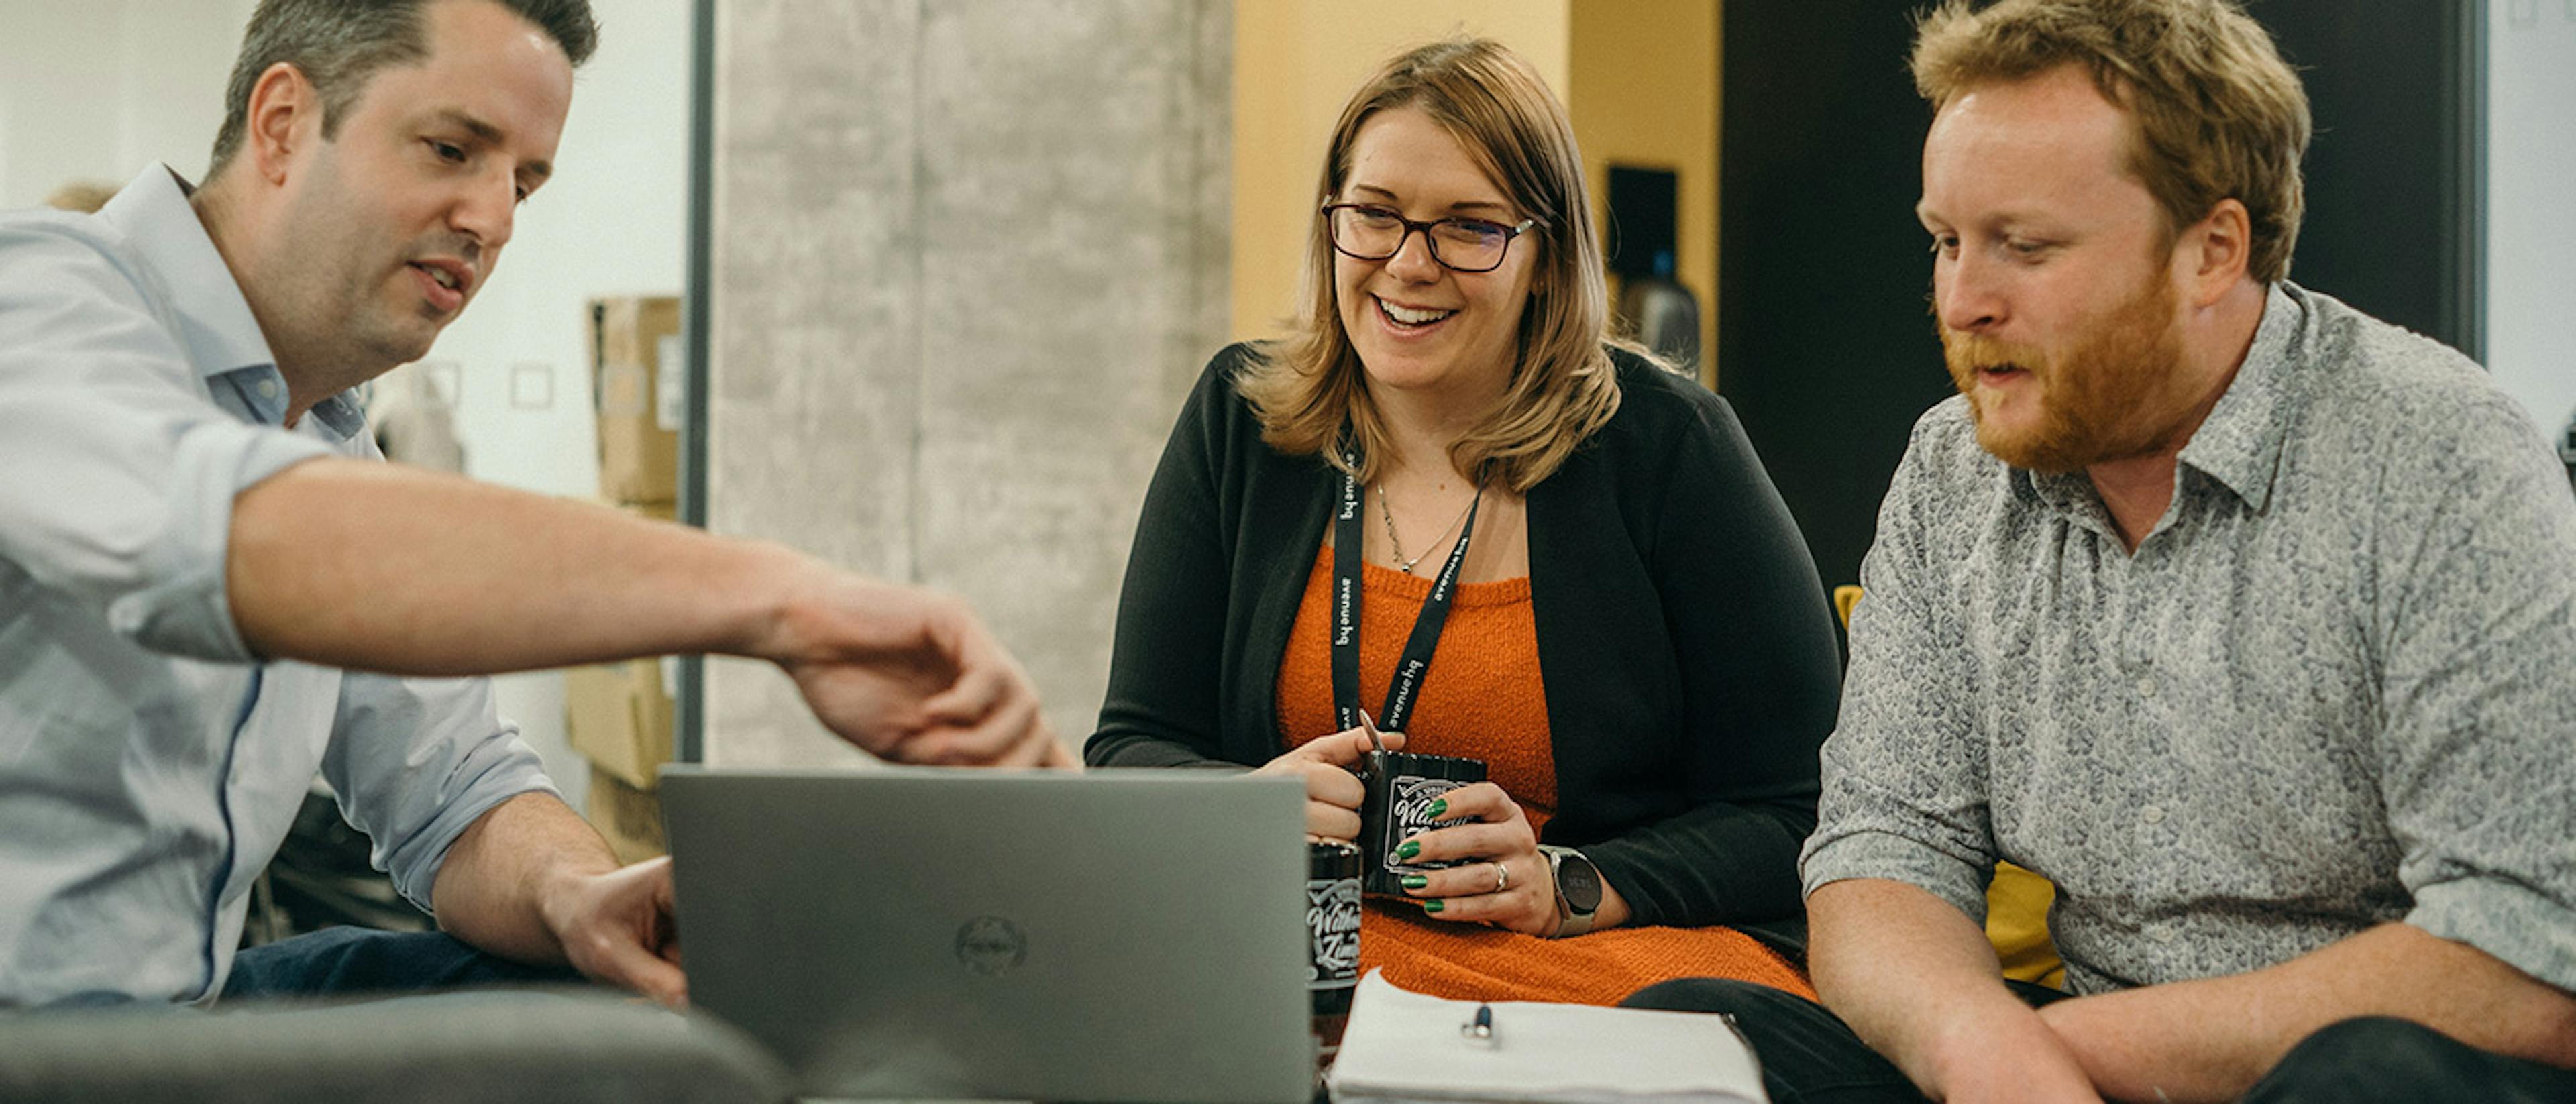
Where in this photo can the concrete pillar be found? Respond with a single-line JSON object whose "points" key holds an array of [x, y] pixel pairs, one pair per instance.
{"points": [[970, 254]]}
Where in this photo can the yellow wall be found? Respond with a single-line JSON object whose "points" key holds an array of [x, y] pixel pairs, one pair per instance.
{"points": [[1295, 63], [1645, 93], [1639, 78]]}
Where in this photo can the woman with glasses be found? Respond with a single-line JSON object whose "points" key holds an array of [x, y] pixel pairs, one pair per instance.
{"points": [[1452, 503]]}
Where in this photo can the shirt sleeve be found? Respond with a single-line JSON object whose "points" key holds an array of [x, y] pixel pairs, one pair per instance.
{"points": [[121, 472], [2477, 620], [417, 761], [1753, 642], [1905, 772], [1165, 664]]}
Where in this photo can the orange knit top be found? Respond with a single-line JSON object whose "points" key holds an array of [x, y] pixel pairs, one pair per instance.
{"points": [[1483, 699]]}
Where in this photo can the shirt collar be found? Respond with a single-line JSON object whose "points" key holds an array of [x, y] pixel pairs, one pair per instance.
{"points": [[2239, 444], [216, 327]]}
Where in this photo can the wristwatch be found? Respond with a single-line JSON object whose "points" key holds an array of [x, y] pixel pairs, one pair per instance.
{"points": [[1578, 889]]}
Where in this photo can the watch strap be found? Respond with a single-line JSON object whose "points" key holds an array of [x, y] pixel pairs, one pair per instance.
{"points": [[1569, 923]]}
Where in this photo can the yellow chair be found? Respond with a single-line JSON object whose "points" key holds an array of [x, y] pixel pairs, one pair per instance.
{"points": [[2016, 900]]}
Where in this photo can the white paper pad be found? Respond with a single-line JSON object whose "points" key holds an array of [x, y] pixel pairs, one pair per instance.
{"points": [[1404, 1047]]}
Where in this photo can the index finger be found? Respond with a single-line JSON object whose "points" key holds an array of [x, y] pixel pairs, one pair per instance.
{"points": [[1013, 734], [644, 970], [1347, 747], [982, 682], [1482, 801]]}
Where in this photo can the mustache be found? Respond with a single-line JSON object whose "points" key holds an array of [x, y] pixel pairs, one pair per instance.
{"points": [[1969, 352]]}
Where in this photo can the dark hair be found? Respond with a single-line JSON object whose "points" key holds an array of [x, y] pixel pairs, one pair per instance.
{"points": [[340, 44]]}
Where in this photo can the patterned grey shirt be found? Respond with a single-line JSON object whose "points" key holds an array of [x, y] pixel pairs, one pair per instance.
{"points": [[2335, 686]]}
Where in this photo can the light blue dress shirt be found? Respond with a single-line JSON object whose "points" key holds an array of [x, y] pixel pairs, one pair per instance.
{"points": [[150, 764]]}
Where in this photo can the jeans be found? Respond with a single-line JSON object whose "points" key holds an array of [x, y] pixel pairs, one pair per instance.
{"points": [[345, 962], [1810, 1057]]}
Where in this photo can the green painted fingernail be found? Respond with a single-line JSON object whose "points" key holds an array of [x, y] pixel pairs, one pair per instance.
{"points": [[1439, 805], [1415, 881], [1431, 906], [1409, 849]]}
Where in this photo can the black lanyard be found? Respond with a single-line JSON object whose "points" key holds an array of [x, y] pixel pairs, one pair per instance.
{"points": [[1409, 668]]}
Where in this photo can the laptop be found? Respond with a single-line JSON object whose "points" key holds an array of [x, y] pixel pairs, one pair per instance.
{"points": [[946, 934]]}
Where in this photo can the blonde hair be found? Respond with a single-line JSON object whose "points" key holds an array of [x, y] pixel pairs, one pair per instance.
{"points": [[1309, 390], [2215, 112]]}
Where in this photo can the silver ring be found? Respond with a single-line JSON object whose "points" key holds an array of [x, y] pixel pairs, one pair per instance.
{"points": [[1502, 877]]}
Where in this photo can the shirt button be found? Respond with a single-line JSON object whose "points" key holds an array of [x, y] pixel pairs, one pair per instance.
{"points": [[2152, 814], [2148, 687], [2161, 935], [268, 389]]}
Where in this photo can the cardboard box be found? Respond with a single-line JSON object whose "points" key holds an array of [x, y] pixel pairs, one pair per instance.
{"points": [[628, 818], [658, 511], [618, 715], [639, 385]]}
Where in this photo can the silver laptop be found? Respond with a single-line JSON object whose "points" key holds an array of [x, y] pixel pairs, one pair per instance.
{"points": [[937, 934]]}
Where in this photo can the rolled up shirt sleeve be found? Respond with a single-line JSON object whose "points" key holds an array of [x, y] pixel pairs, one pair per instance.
{"points": [[417, 761], [2479, 633], [121, 474], [1904, 774]]}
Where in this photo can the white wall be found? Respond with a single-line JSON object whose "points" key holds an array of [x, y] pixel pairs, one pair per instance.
{"points": [[96, 89], [613, 221], [2531, 213]]}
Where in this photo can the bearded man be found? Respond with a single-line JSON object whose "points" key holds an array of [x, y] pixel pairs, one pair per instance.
{"points": [[2246, 618]]}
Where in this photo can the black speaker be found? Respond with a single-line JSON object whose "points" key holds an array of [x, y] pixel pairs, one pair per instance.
{"points": [[1642, 202]]}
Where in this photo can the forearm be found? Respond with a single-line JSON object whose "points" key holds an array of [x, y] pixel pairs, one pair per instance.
{"points": [[1109, 748], [1917, 981], [385, 568], [1720, 863], [2213, 1038], [498, 877]]}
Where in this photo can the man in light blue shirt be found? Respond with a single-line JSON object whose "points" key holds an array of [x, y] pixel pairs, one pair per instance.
{"points": [[210, 589]]}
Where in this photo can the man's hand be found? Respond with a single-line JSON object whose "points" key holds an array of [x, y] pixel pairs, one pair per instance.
{"points": [[910, 676], [2010, 1058], [1918, 982], [2210, 1039], [531, 882], [617, 928]]}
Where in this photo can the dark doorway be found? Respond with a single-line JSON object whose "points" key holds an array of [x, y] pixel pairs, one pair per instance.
{"points": [[1825, 343]]}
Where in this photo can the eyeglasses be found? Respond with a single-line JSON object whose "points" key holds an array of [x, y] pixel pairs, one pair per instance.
{"points": [[1368, 232]]}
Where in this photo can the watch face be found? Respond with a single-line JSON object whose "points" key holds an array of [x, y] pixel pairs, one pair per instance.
{"points": [[1579, 882]]}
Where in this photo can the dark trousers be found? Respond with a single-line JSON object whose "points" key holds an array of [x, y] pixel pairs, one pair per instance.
{"points": [[359, 962], [1810, 1057]]}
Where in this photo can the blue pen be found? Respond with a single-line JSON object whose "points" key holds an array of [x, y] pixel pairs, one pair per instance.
{"points": [[1480, 1029]]}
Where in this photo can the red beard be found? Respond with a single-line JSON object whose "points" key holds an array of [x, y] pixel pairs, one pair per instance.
{"points": [[2115, 394]]}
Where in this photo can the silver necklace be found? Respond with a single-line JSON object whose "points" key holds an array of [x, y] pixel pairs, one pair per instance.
{"points": [[1396, 548]]}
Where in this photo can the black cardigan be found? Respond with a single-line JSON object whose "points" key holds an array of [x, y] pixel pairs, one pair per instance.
{"points": [[1683, 639]]}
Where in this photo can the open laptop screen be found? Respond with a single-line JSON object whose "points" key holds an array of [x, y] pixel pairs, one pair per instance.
{"points": [[935, 933]]}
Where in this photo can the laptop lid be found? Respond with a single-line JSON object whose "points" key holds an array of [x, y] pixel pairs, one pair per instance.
{"points": [[937, 933]]}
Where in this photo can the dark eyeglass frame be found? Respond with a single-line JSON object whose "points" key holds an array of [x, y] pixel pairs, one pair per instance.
{"points": [[1509, 231]]}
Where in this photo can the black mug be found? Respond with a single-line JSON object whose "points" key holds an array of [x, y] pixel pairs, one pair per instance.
{"points": [[1333, 922], [1401, 787]]}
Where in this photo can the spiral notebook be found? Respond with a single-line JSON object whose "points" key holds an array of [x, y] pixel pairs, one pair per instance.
{"points": [[1404, 1047]]}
